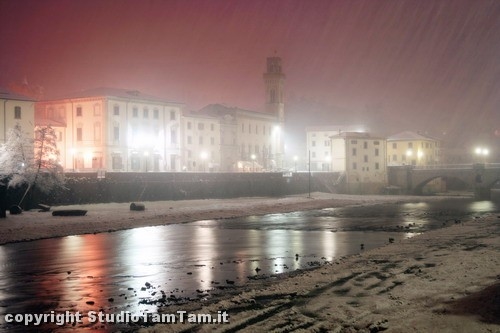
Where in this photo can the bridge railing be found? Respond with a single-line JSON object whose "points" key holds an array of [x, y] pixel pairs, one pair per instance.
{"points": [[468, 166]]}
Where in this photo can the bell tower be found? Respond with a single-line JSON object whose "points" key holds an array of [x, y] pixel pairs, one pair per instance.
{"points": [[274, 81]]}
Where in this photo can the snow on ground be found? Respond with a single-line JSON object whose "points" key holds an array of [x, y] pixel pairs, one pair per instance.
{"points": [[33, 224], [445, 280]]}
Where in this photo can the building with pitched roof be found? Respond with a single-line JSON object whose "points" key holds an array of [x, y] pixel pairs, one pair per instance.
{"points": [[410, 148], [16, 109], [115, 130]]}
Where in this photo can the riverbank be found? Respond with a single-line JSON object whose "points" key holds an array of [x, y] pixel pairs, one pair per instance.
{"points": [[445, 280], [31, 225]]}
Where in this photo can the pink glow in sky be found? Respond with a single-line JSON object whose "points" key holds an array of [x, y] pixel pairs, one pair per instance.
{"points": [[417, 65]]}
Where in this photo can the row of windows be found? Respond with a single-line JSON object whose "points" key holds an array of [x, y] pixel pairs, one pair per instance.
{"points": [[201, 126], [135, 112], [255, 128], [326, 144], [200, 140], [410, 145], [355, 166], [355, 152]]}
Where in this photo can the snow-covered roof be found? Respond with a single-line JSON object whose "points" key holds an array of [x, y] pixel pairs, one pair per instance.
{"points": [[9, 94], [409, 136], [115, 92]]}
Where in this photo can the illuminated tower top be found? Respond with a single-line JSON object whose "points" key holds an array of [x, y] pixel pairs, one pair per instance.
{"points": [[274, 81]]}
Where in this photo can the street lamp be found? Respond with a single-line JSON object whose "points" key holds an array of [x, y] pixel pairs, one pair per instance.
{"points": [[253, 157], [146, 155], [482, 152], [203, 157]]}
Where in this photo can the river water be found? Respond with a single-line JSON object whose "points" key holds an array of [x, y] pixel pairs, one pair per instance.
{"points": [[137, 270]]}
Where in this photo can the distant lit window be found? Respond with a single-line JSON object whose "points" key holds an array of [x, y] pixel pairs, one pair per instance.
{"points": [[135, 112], [17, 112], [78, 111], [173, 136], [172, 115], [116, 110], [156, 114]]}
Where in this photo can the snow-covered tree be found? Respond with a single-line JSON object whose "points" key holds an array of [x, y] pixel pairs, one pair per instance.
{"points": [[31, 162]]}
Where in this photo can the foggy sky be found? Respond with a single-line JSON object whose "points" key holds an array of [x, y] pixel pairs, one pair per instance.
{"points": [[431, 65]]}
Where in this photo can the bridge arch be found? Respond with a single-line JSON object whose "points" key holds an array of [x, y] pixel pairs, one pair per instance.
{"points": [[464, 181]]}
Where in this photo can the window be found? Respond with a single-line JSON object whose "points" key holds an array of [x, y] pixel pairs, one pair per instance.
{"points": [[354, 152], [264, 130], [135, 162], [116, 133], [97, 110], [394, 157], [17, 112], [354, 165], [79, 134], [200, 140], [135, 112], [377, 166], [145, 113], [189, 140], [156, 114], [189, 125], [376, 143], [313, 154], [403, 157], [365, 145], [256, 129], [242, 128], [354, 142], [394, 145], [365, 158], [172, 115], [78, 111], [212, 127], [97, 132], [116, 110], [376, 152], [313, 143], [249, 128], [117, 162], [212, 141], [410, 144], [173, 136], [201, 126]]}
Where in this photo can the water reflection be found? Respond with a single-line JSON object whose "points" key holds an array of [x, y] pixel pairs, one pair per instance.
{"points": [[128, 269]]}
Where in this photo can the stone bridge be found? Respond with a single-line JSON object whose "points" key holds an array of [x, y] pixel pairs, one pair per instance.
{"points": [[479, 177]]}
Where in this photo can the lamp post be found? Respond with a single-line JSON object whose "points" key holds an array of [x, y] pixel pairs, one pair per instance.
{"points": [[253, 157], [203, 157], [146, 155]]}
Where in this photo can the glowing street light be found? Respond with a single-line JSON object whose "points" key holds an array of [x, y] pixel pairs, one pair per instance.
{"points": [[482, 152], [253, 157], [203, 156]]}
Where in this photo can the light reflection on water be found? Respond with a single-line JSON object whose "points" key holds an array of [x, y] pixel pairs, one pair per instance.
{"points": [[70, 273]]}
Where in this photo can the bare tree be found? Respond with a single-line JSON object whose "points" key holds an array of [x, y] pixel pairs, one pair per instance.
{"points": [[31, 162]]}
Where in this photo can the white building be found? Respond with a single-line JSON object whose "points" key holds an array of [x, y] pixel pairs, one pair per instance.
{"points": [[115, 130], [361, 158], [16, 109], [410, 148], [318, 140], [200, 143]]}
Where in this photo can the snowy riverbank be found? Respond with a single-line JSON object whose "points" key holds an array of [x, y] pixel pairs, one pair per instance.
{"points": [[33, 225]]}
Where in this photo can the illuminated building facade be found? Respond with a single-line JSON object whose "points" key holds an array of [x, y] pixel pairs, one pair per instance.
{"points": [[361, 159], [410, 148], [16, 109], [114, 130]]}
